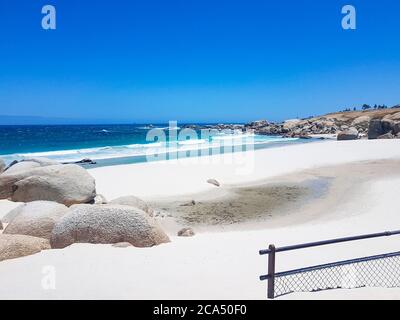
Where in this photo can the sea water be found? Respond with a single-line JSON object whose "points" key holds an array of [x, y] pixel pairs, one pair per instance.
{"points": [[117, 144]]}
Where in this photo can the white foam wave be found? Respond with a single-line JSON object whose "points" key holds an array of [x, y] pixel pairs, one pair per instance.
{"points": [[110, 152]]}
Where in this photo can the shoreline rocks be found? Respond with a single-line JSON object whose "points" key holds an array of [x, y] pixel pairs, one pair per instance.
{"points": [[365, 122], [350, 134]]}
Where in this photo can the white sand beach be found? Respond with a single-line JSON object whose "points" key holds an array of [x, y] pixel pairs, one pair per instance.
{"points": [[225, 264]]}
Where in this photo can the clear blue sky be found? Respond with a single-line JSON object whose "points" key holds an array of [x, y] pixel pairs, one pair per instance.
{"points": [[196, 60]]}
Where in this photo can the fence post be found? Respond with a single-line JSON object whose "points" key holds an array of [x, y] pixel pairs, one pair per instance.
{"points": [[271, 272]]}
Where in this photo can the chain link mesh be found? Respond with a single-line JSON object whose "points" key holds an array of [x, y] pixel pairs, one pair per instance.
{"points": [[374, 272]]}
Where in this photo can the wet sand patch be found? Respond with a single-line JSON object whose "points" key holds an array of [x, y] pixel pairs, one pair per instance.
{"points": [[241, 204]]}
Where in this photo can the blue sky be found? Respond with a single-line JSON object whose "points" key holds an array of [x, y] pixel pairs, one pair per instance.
{"points": [[196, 60]]}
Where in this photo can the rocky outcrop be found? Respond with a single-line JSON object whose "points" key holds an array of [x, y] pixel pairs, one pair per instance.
{"points": [[1, 225], [361, 123], [383, 129], [350, 134], [2, 165], [333, 123], [135, 202], [36, 219], [15, 246], [66, 184], [107, 224], [375, 129], [186, 232]]}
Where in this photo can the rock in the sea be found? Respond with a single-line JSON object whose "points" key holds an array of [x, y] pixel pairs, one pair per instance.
{"points": [[350, 134], [2, 165], [100, 199], [214, 182], [186, 232], [375, 129], [66, 184], [14, 246], [28, 164], [135, 202], [36, 219], [107, 224]]}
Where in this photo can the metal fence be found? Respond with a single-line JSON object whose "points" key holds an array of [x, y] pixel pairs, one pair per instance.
{"points": [[374, 271]]}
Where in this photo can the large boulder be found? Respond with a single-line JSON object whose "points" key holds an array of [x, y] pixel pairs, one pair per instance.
{"points": [[387, 125], [10, 216], [67, 184], [361, 123], [107, 224], [28, 164], [350, 134], [133, 201], [375, 129], [2, 165], [36, 219], [14, 246]]}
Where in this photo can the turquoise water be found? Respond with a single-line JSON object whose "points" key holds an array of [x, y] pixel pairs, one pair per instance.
{"points": [[115, 144]]}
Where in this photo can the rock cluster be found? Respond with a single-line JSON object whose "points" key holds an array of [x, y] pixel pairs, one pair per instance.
{"points": [[376, 124], [60, 207]]}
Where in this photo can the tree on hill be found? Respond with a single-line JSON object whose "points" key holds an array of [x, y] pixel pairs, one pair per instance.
{"points": [[366, 107]]}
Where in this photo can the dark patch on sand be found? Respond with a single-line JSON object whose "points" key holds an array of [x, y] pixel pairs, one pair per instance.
{"points": [[241, 205]]}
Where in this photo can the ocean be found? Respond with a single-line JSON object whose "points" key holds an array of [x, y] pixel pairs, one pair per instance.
{"points": [[118, 144]]}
